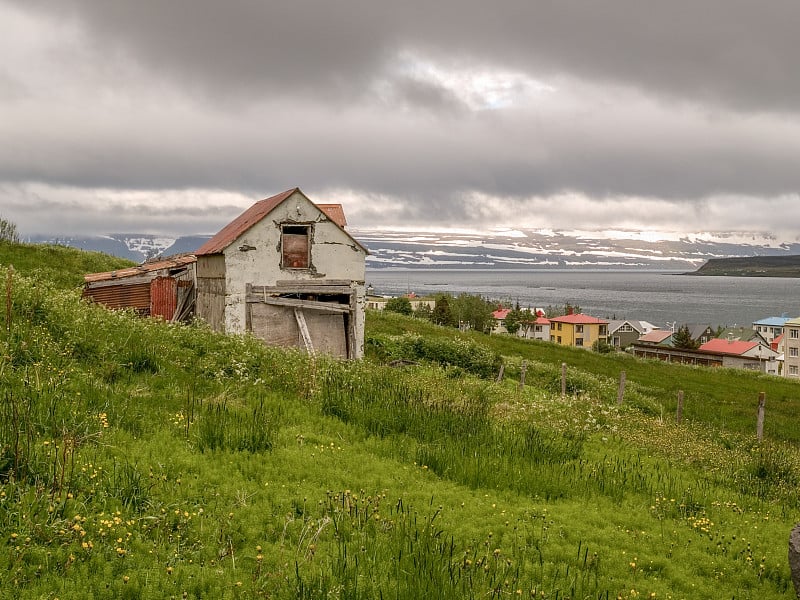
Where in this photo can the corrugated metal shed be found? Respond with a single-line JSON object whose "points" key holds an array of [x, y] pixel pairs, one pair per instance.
{"points": [[136, 296], [163, 288], [175, 262]]}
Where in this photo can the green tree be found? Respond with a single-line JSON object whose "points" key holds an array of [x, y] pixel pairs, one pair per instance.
{"points": [[515, 318], [683, 339], [400, 305], [442, 313], [423, 311], [8, 231], [602, 347], [474, 311]]}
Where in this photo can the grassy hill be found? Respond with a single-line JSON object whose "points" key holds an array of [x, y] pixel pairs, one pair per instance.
{"points": [[144, 460], [752, 266], [59, 265]]}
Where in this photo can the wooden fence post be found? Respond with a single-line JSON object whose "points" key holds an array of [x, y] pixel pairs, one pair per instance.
{"points": [[9, 285], [500, 374], [563, 379], [522, 374], [760, 421], [679, 412], [621, 391]]}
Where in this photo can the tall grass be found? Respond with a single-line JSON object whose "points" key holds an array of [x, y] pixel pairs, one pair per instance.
{"points": [[146, 460]]}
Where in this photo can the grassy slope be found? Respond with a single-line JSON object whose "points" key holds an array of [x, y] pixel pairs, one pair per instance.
{"points": [[161, 461], [63, 266], [725, 398]]}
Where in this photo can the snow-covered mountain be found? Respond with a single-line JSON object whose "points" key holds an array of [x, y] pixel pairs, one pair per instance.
{"points": [[506, 249], [133, 246], [541, 249]]}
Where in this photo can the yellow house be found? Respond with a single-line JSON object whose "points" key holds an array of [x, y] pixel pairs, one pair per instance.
{"points": [[577, 330]]}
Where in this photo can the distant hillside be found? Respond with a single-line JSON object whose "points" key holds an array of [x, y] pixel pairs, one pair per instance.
{"points": [[63, 266], [753, 266], [137, 247]]}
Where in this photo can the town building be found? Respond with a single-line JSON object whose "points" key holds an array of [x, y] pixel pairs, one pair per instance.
{"points": [[623, 333], [535, 329], [578, 330], [791, 348], [771, 327]]}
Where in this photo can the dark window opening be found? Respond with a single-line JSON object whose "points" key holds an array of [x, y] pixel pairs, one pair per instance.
{"points": [[296, 246]]}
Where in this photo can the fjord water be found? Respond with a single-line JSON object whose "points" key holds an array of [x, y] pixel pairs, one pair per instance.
{"points": [[656, 296]]}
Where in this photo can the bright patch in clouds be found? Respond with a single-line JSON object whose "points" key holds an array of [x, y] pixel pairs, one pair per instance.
{"points": [[478, 89]]}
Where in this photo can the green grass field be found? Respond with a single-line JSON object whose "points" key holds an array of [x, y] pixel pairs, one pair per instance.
{"points": [[145, 460]]}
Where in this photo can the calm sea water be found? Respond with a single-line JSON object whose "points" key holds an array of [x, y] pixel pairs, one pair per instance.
{"points": [[655, 296]]}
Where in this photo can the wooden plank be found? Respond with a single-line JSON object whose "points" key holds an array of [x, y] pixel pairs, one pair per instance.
{"points": [[329, 307], [284, 283], [302, 289], [328, 332], [275, 325], [301, 323], [122, 281]]}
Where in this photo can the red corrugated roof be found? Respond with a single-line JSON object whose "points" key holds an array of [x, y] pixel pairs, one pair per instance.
{"points": [[579, 319], [335, 213], [775, 344], [228, 234], [501, 313], [720, 346], [655, 337], [148, 267]]}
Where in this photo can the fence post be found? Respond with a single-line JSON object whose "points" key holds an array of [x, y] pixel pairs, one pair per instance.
{"points": [[679, 413], [522, 374], [760, 421], [621, 391], [9, 284], [500, 374], [563, 379]]}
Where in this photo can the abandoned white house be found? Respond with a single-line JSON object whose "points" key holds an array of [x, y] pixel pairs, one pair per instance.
{"points": [[287, 271]]}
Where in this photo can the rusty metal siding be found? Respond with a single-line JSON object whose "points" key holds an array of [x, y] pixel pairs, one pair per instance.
{"points": [[135, 296], [163, 297]]}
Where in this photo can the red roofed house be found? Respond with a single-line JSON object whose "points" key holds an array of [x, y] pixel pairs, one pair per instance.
{"points": [[776, 344], [535, 329], [499, 320], [287, 271], [658, 337], [738, 354], [578, 330]]}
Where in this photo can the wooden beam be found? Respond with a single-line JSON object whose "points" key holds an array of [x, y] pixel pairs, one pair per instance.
{"points": [[301, 323], [329, 307], [302, 289], [294, 283]]}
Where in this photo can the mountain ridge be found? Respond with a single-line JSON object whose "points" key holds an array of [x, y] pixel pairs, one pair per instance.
{"points": [[512, 249]]}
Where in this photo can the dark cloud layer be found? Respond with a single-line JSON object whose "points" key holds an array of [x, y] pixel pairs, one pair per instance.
{"points": [[428, 113]]}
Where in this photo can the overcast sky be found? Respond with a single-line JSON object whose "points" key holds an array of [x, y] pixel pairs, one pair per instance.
{"points": [[173, 116]]}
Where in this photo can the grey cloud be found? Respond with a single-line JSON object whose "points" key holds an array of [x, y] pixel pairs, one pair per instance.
{"points": [[676, 103], [729, 52]]}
